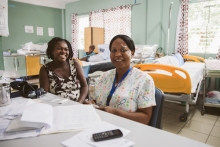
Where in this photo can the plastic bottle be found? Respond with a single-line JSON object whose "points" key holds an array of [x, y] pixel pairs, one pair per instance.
{"points": [[9, 51]]}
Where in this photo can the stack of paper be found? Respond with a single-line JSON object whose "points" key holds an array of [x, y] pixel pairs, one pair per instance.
{"points": [[84, 138], [39, 118], [34, 117], [15, 108], [11, 112], [18, 125]]}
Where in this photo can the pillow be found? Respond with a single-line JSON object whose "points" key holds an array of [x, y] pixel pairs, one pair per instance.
{"points": [[95, 58], [179, 58], [173, 61], [104, 51], [169, 60]]}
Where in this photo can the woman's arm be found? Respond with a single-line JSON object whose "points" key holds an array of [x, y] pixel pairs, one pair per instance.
{"points": [[44, 80], [142, 115], [83, 83]]}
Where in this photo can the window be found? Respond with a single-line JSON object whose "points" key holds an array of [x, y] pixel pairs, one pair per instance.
{"points": [[83, 22], [204, 26]]}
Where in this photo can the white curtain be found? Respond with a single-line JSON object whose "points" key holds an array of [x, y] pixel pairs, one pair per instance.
{"points": [[218, 54], [114, 21], [96, 19], [181, 44], [74, 33]]}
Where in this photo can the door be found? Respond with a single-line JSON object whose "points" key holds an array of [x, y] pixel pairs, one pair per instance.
{"points": [[88, 38], [97, 37]]}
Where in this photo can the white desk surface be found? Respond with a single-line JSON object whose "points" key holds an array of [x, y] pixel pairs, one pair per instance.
{"points": [[142, 135]]}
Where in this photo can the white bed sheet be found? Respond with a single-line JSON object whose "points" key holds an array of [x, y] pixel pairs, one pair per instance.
{"points": [[196, 72]]}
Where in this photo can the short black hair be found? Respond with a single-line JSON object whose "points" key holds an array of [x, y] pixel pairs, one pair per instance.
{"points": [[51, 46], [92, 46], [126, 39]]}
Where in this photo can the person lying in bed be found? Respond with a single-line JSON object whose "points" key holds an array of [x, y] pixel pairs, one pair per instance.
{"points": [[63, 76], [125, 91], [103, 55], [89, 53]]}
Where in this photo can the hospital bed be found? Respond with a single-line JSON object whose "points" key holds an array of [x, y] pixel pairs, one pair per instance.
{"points": [[100, 61], [99, 66], [180, 83]]}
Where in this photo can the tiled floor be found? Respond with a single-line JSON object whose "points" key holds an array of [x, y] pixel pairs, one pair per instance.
{"points": [[204, 128]]}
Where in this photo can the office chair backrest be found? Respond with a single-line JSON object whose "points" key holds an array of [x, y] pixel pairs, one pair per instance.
{"points": [[86, 73], [156, 118], [86, 70]]}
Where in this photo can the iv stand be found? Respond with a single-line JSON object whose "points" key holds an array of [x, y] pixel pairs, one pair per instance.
{"points": [[168, 31], [207, 29]]}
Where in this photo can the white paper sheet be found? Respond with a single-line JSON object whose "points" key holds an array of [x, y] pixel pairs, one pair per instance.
{"points": [[38, 112], [72, 118], [19, 134], [15, 108], [53, 98], [3, 125], [84, 138]]}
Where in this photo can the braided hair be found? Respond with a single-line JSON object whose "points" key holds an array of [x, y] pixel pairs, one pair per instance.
{"points": [[52, 44]]}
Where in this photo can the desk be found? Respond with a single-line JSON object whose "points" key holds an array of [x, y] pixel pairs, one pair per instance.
{"points": [[142, 135]]}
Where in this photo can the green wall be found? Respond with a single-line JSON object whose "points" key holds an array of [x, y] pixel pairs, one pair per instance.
{"points": [[149, 19], [1, 56], [139, 15], [21, 14]]}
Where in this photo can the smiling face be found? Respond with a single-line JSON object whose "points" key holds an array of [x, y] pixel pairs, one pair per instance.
{"points": [[61, 51], [120, 54]]}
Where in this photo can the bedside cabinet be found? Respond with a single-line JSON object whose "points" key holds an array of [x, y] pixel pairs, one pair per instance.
{"points": [[33, 64]]}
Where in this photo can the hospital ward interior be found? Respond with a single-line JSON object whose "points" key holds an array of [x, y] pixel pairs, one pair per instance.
{"points": [[176, 44]]}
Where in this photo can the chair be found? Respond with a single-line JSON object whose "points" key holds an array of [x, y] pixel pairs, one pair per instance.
{"points": [[86, 74], [156, 118], [86, 70]]}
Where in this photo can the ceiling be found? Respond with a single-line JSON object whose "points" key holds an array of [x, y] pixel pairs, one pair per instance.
{"points": [[48, 3]]}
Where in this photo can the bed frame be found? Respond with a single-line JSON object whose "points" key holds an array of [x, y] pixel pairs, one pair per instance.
{"points": [[176, 87]]}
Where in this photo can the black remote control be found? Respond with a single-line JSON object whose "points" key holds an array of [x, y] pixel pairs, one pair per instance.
{"points": [[107, 135]]}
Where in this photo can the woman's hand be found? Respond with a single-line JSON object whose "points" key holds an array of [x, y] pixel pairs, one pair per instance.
{"points": [[108, 109], [89, 102]]}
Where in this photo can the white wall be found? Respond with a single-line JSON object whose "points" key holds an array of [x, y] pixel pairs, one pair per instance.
{"points": [[48, 3]]}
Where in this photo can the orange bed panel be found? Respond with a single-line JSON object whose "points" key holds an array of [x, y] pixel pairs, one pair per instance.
{"points": [[172, 83], [193, 58]]}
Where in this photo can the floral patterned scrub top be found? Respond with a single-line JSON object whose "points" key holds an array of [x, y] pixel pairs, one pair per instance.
{"points": [[136, 91], [66, 88]]}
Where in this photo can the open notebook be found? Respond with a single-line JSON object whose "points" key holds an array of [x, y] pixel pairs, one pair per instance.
{"points": [[54, 119]]}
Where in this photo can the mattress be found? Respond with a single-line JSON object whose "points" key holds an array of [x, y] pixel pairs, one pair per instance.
{"points": [[99, 66], [93, 63], [196, 72]]}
